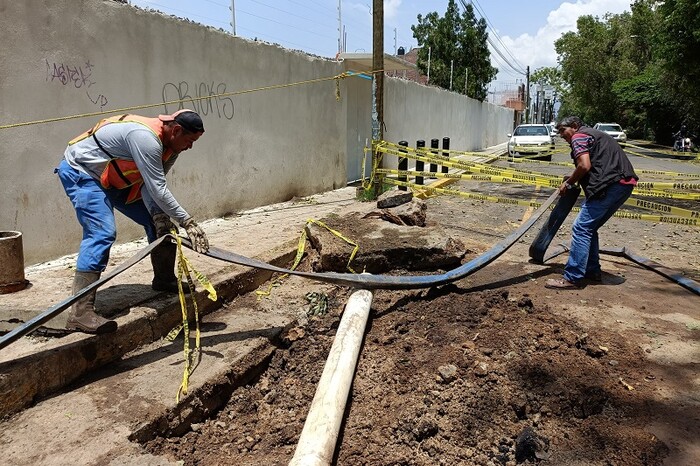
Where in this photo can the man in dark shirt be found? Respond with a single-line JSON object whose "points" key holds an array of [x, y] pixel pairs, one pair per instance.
{"points": [[607, 178]]}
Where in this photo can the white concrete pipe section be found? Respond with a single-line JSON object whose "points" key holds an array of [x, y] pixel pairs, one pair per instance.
{"points": [[320, 433]]}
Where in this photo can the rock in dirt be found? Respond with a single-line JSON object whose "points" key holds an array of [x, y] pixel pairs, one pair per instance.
{"points": [[530, 446], [448, 373]]}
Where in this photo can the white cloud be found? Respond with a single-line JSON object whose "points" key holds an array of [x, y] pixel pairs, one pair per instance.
{"points": [[538, 50], [391, 8]]}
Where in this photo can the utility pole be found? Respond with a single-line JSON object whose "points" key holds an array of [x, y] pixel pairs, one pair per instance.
{"points": [[527, 95], [428, 65], [377, 88], [340, 30], [233, 15], [452, 68], [466, 79], [394, 41]]}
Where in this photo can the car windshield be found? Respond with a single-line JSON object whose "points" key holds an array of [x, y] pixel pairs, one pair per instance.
{"points": [[531, 131], [610, 128]]}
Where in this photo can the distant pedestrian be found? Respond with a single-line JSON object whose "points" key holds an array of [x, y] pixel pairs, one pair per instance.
{"points": [[121, 164], [607, 178]]}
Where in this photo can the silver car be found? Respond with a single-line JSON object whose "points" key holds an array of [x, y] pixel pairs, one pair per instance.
{"points": [[532, 141], [614, 130]]}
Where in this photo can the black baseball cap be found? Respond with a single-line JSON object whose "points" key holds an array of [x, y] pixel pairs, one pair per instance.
{"points": [[188, 119]]}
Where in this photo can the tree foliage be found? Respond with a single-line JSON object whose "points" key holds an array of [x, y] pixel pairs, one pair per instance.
{"points": [[458, 48], [639, 68]]}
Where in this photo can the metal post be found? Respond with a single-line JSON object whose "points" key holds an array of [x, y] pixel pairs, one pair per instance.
{"points": [[420, 165], [527, 95], [434, 146], [340, 29], [403, 164], [452, 68], [428, 78], [233, 16], [445, 147]]}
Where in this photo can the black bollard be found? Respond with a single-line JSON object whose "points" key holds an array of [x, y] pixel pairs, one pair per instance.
{"points": [[403, 164], [445, 147], [420, 165], [434, 146]]}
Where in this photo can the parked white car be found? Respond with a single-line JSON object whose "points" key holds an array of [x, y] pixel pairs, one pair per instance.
{"points": [[614, 130], [531, 140]]}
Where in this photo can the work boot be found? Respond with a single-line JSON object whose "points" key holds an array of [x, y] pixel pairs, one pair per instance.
{"points": [[82, 315], [163, 261]]}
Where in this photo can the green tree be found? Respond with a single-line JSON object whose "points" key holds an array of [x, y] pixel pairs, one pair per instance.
{"points": [[458, 46], [678, 40], [592, 59], [641, 69]]}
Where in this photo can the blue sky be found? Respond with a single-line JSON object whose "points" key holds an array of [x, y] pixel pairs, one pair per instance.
{"points": [[524, 31]]}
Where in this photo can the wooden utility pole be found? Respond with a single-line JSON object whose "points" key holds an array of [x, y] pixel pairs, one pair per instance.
{"points": [[377, 87]]}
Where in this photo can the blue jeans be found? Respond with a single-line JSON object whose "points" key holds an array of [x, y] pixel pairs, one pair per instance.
{"points": [[94, 207], [584, 257]]}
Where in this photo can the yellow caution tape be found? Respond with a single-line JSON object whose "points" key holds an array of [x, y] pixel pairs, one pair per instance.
{"points": [[185, 268], [661, 185], [517, 178], [665, 173], [467, 166], [500, 200], [667, 194], [667, 209]]}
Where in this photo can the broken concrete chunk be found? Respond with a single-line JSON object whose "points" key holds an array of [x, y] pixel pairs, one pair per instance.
{"points": [[412, 213], [393, 198]]}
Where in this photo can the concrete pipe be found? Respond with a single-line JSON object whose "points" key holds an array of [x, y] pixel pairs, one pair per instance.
{"points": [[11, 262], [320, 433]]}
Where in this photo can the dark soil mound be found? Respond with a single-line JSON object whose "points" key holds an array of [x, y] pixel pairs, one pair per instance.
{"points": [[446, 377]]}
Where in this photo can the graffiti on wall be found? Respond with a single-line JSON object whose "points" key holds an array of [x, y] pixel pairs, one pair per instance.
{"points": [[75, 76], [203, 98]]}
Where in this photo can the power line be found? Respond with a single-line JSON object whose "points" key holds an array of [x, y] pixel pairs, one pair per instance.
{"points": [[493, 45], [495, 33], [285, 12], [283, 24]]}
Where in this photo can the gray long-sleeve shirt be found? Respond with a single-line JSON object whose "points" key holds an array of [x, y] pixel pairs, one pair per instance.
{"points": [[130, 141]]}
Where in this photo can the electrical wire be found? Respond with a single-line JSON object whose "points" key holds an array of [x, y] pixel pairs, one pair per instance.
{"points": [[495, 48], [495, 33]]}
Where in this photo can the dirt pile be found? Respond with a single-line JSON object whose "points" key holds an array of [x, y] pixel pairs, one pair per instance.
{"points": [[446, 377]]}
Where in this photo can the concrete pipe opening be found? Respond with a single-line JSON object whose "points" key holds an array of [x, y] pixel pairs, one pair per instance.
{"points": [[12, 262]]}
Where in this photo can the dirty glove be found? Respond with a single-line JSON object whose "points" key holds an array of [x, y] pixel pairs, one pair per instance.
{"points": [[163, 224], [199, 240]]}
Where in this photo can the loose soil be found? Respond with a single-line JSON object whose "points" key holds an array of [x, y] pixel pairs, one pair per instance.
{"points": [[494, 369]]}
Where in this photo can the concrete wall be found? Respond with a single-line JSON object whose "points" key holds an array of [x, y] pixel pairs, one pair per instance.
{"points": [[76, 57], [413, 112]]}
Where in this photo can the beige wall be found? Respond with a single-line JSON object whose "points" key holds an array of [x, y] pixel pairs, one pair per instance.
{"points": [[74, 57]]}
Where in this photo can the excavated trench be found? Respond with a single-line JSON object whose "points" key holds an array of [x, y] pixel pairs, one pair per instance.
{"points": [[446, 376]]}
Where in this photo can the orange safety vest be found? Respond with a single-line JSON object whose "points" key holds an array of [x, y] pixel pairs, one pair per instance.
{"points": [[122, 173]]}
